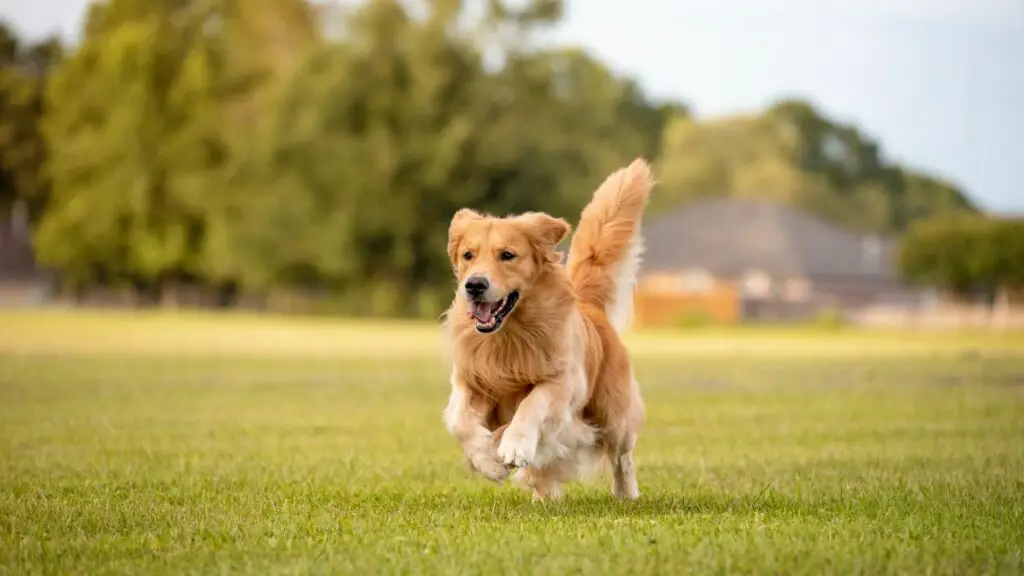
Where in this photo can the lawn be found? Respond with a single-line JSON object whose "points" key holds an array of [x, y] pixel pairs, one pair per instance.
{"points": [[154, 444]]}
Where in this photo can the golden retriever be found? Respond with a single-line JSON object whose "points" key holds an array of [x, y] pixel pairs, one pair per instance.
{"points": [[540, 379]]}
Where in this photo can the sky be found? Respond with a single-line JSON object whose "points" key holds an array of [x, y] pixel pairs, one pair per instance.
{"points": [[939, 83]]}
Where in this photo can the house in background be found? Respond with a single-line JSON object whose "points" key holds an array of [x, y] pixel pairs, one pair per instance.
{"points": [[733, 261]]}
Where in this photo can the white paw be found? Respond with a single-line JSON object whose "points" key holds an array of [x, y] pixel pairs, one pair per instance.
{"points": [[489, 466], [518, 447], [482, 458]]}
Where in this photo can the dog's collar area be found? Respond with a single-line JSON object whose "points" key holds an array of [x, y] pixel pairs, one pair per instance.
{"points": [[505, 308]]}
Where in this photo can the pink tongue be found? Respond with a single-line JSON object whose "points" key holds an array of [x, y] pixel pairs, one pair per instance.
{"points": [[482, 311]]}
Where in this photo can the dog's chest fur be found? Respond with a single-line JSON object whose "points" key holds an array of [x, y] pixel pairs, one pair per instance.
{"points": [[507, 364]]}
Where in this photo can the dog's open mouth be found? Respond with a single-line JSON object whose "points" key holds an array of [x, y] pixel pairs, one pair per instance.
{"points": [[490, 315]]}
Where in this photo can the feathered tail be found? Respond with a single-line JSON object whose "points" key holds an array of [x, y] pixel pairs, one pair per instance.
{"points": [[604, 257]]}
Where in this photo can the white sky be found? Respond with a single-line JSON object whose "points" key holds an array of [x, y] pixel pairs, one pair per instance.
{"points": [[939, 82]]}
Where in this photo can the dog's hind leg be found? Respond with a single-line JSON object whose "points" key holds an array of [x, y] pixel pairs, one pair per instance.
{"points": [[624, 484], [621, 428]]}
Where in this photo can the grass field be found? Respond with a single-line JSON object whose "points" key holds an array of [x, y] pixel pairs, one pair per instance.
{"points": [[151, 444]]}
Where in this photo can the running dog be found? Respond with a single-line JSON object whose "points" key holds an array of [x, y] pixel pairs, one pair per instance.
{"points": [[540, 379]]}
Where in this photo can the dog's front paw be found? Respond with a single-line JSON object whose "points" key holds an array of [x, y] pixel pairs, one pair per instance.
{"points": [[484, 459], [518, 447], [489, 466]]}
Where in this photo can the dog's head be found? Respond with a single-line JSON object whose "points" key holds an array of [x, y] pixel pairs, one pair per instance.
{"points": [[498, 260]]}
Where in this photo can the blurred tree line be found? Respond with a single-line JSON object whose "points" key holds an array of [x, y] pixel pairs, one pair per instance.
{"points": [[970, 256], [259, 145]]}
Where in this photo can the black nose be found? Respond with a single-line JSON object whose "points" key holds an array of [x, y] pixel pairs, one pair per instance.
{"points": [[477, 285]]}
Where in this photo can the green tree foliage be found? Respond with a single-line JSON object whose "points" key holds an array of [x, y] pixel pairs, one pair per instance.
{"points": [[965, 255], [794, 154], [648, 116], [146, 113], [134, 148], [282, 144], [24, 70], [260, 45], [228, 142], [383, 136]]}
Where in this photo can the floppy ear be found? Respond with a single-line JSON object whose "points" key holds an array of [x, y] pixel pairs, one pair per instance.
{"points": [[457, 229], [546, 232]]}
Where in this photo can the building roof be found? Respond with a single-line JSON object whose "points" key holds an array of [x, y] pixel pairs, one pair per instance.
{"points": [[729, 238]]}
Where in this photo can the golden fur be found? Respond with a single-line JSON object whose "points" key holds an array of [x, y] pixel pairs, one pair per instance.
{"points": [[551, 390]]}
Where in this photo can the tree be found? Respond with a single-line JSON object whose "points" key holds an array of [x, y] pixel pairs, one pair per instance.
{"points": [[153, 117], [261, 45], [966, 255], [367, 137], [384, 134], [24, 70], [649, 117], [792, 153], [133, 147]]}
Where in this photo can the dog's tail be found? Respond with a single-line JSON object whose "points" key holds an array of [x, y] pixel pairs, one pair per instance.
{"points": [[604, 257]]}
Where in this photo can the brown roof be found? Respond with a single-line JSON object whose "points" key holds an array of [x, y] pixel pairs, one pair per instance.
{"points": [[731, 237]]}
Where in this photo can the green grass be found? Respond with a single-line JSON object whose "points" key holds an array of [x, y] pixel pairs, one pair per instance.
{"points": [[150, 444]]}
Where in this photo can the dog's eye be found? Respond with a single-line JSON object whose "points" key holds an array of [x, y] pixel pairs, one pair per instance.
{"points": [[467, 255], [506, 255]]}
